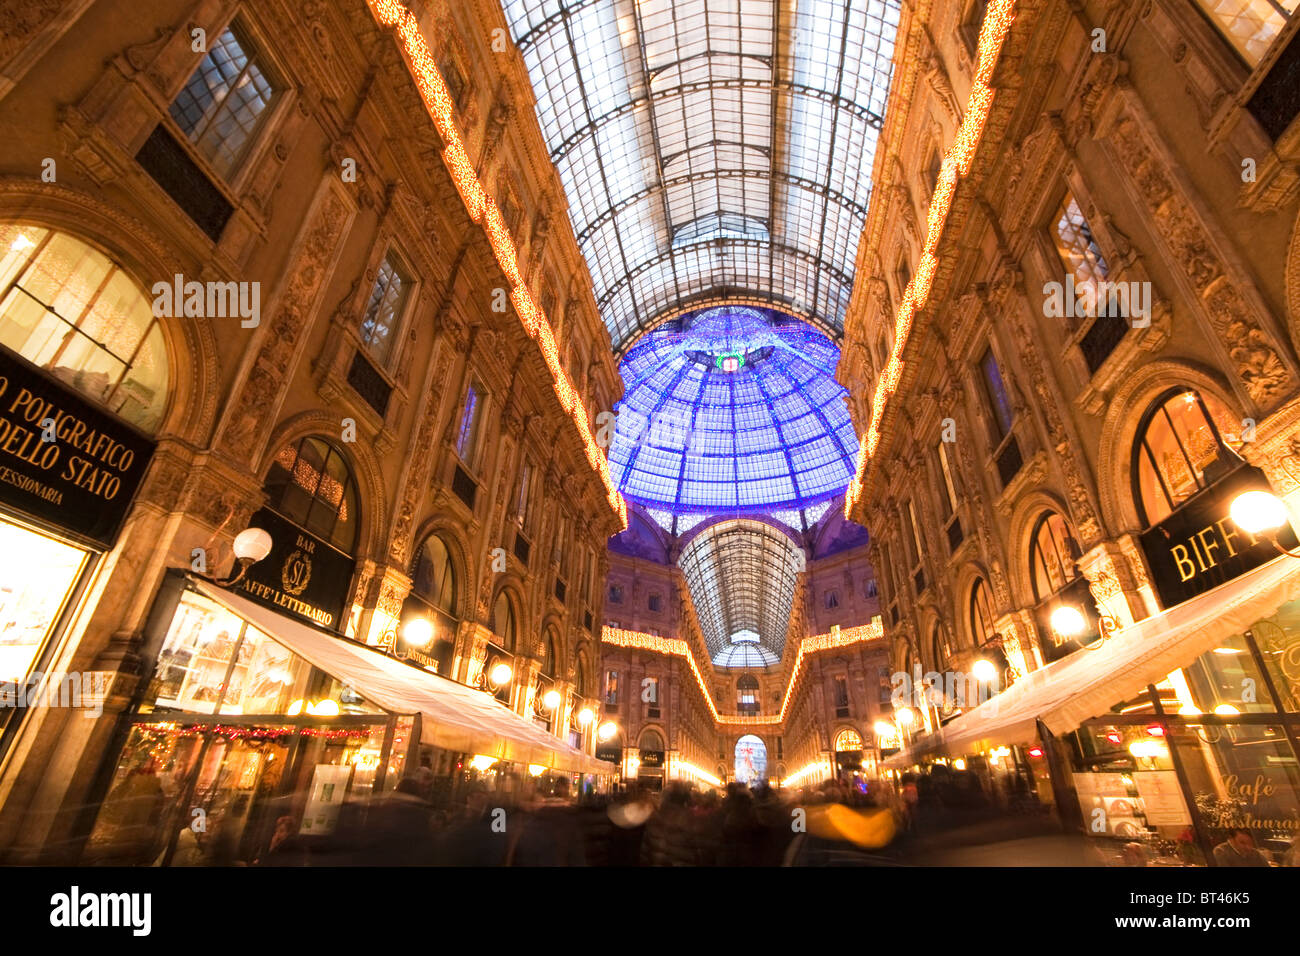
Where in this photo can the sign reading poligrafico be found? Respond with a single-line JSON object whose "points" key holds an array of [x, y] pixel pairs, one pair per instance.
{"points": [[62, 459]]}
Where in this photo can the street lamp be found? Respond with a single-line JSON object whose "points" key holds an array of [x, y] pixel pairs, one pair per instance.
{"points": [[1261, 513], [607, 731], [984, 671], [250, 546]]}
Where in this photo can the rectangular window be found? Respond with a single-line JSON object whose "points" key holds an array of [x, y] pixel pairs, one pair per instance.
{"points": [[379, 325], [995, 394], [1250, 26], [615, 594], [916, 531], [650, 693], [521, 495], [224, 102], [467, 436], [1076, 245], [656, 602], [611, 688], [948, 492], [841, 696]]}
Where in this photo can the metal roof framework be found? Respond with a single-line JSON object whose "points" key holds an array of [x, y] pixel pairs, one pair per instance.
{"points": [[712, 148], [742, 575]]}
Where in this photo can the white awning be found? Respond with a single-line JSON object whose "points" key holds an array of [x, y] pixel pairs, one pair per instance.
{"points": [[454, 717], [1090, 681]]}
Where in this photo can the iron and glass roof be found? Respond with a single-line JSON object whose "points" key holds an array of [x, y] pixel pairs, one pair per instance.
{"points": [[742, 576], [712, 150], [732, 411]]}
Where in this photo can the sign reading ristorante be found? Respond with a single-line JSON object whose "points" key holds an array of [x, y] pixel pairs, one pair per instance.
{"points": [[1199, 546], [63, 459], [303, 576]]}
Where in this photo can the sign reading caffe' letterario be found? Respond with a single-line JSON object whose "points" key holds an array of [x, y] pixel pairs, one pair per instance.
{"points": [[1199, 546], [64, 460], [303, 576]]}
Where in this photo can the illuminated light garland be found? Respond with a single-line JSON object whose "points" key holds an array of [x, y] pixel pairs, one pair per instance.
{"points": [[957, 163], [802, 772], [681, 766], [395, 15], [638, 640]]}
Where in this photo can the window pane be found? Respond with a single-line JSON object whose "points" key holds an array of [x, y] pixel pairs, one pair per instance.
{"points": [[996, 393], [1278, 639], [384, 310], [194, 658], [1076, 245], [36, 576], [1251, 26], [220, 107]]}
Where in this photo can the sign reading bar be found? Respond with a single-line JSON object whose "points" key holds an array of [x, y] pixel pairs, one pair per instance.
{"points": [[303, 576], [1199, 546], [62, 459]]}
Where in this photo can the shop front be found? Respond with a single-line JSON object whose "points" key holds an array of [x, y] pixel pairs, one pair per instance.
{"points": [[254, 722], [69, 472], [1171, 742]]}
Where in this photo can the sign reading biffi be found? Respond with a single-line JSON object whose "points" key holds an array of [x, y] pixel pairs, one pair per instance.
{"points": [[303, 576], [1199, 546], [62, 459]]}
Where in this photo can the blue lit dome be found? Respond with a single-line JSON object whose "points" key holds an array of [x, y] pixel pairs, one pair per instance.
{"points": [[732, 410]]}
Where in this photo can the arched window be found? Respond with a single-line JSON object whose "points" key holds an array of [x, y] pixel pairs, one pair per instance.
{"points": [[435, 578], [847, 741], [69, 309], [549, 658], [503, 622], [938, 651], [580, 675], [751, 760], [981, 613], [651, 740], [1051, 555], [747, 695], [1180, 450], [311, 484]]}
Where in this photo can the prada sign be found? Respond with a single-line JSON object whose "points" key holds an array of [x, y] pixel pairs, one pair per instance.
{"points": [[303, 576], [1199, 546], [652, 758], [64, 460]]}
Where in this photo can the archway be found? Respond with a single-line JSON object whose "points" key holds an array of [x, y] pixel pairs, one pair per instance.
{"points": [[751, 760]]}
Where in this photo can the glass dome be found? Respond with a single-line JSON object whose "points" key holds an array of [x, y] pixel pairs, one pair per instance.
{"points": [[732, 410]]}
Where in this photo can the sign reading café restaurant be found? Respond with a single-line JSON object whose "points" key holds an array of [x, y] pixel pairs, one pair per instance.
{"points": [[1199, 546], [303, 576], [64, 460]]}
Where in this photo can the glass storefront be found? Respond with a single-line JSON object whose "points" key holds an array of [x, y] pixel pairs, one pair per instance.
{"points": [[37, 575], [1203, 766]]}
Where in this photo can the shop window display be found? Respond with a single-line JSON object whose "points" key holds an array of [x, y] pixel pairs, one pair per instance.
{"points": [[37, 574]]}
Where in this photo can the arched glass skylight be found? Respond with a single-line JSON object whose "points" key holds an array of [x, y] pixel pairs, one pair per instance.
{"points": [[662, 113], [742, 576], [735, 413]]}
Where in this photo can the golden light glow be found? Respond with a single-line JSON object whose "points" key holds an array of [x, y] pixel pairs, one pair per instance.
{"points": [[797, 778], [551, 699], [481, 762], [1149, 748], [395, 15], [607, 731], [501, 674], [678, 648], [681, 767], [585, 716], [957, 162], [536, 769]]}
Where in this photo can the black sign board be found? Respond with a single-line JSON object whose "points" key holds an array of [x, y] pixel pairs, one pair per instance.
{"points": [[303, 576], [611, 750], [652, 758], [1076, 594], [85, 478], [1199, 547]]}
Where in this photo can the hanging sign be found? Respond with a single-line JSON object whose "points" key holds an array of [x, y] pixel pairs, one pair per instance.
{"points": [[303, 576], [1199, 546], [64, 460]]}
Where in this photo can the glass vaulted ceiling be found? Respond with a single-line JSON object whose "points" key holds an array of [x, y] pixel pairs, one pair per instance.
{"points": [[712, 150], [742, 575]]}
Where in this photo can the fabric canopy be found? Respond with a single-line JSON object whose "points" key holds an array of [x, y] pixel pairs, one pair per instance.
{"points": [[454, 717], [1090, 681]]}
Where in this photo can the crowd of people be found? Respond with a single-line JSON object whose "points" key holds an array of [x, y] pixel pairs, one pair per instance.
{"points": [[547, 826]]}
